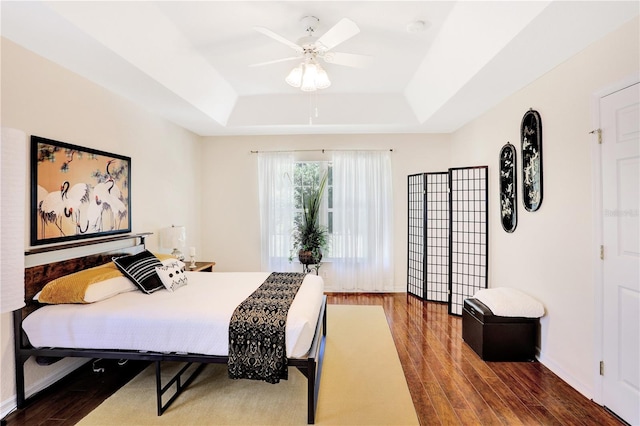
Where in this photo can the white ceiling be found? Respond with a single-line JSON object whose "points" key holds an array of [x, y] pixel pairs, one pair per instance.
{"points": [[188, 61]]}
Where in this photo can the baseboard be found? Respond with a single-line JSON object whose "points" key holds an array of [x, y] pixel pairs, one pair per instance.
{"points": [[586, 390], [330, 289], [7, 406]]}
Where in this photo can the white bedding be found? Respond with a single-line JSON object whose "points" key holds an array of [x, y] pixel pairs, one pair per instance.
{"points": [[193, 319]]}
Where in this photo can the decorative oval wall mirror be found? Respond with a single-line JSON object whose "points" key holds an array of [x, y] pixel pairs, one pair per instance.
{"points": [[508, 203], [531, 137]]}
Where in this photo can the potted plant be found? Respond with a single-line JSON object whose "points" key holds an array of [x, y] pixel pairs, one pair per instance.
{"points": [[309, 237]]}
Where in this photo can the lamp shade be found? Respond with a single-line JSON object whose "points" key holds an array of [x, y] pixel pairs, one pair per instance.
{"points": [[13, 162], [309, 77], [322, 79], [295, 76], [173, 237]]}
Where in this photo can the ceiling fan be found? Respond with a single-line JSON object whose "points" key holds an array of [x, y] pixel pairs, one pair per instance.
{"points": [[310, 48]]}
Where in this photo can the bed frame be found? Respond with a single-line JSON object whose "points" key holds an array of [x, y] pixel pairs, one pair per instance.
{"points": [[37, 276]]}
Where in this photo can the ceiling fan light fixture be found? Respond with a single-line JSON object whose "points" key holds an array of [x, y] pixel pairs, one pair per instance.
{"points": [[322, 79], [295, 76], [309, 77]]}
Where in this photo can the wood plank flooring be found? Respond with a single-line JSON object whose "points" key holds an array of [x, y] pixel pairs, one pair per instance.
{"points": [[449, 383]]}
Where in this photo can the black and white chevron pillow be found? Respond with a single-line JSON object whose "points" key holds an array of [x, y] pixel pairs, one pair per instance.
{"points": [[172, 275]]}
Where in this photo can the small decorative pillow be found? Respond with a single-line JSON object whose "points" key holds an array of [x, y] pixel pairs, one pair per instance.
{"points": [[172, 275], [141, 269], [170, 260]]}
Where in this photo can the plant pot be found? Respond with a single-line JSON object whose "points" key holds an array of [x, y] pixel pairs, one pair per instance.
{"points": [[307, 257]]}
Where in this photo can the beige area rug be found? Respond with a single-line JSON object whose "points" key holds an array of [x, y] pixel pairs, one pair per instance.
{"points": [[362, 383]]}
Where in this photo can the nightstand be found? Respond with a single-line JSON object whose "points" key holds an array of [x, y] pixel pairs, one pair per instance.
{"points": [[201, 266]]}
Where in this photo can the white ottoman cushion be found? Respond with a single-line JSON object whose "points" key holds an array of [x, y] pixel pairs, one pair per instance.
{"points": [[509, 302]]}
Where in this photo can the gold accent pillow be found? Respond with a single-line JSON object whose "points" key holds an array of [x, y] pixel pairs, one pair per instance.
{"points": [[164, 256], [74, 288]]}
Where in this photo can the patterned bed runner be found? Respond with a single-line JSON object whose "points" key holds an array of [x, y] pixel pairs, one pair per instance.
{"points": [[257, 347]]}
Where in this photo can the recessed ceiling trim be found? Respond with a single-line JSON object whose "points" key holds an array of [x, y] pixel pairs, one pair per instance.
{"points": [[141, 34], [457, 56]]}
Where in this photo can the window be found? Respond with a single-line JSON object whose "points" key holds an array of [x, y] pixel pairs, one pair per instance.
{"points": [[306, 178], [357, 209]]}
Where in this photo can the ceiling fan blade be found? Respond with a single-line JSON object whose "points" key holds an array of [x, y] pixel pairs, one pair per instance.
{"points": [[348, 59], [340, 32], [279, 38], [275, 61]]}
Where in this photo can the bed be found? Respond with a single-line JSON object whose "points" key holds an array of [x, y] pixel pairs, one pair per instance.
{"points": [[189, 325]]}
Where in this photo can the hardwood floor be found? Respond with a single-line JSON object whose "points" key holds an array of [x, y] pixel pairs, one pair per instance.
{"points": [[67, 402], [449, 383]]}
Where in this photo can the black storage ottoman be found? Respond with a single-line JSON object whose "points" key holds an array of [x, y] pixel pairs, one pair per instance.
{"points": [[496, 338]]}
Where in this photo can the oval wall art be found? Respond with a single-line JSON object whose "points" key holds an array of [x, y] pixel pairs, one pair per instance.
{"points": [[531, 137], [508, 203]]}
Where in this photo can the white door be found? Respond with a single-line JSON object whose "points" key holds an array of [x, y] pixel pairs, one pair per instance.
{"points": [[619, 121]]}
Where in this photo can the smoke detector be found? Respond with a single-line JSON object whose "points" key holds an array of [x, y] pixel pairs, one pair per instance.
{"points": [[417, 26]]}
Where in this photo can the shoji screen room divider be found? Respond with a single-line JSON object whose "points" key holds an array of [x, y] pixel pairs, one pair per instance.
{"points": [[448, 235]]}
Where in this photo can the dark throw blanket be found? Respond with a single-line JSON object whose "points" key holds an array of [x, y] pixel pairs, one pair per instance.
{"points": [[257, 348]]}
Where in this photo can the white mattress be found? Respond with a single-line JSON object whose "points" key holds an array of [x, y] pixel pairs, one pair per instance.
{"points": [[193, 319]]}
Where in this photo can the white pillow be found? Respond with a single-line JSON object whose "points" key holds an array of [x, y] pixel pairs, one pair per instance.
{"points": [[172, 275], [108, 288]]}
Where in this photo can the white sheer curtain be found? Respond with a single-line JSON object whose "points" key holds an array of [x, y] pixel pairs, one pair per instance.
{"points": [[363, 221], [275, 175]]}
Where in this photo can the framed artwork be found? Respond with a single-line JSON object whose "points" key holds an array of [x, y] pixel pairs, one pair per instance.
{"points": [[508, 191], [531, 137], [77, 192]]}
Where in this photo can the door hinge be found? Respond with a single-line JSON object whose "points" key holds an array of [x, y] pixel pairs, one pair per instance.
{"points": [[602, 368], [601, 252], [599, 132]]}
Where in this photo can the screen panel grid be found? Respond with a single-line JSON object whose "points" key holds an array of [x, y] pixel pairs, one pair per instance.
{"points": [[468, 234], [437, 237], [415, 238]]}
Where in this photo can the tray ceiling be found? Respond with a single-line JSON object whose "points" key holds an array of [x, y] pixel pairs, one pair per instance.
{"points": [[189, 61]]}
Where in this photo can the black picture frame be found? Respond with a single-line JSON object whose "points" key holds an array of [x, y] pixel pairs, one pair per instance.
{"points": [[508, 187], [531, 146], [77, 192]]}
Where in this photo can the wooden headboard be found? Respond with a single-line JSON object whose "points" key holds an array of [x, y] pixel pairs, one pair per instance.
{"points": [[37, 276]]}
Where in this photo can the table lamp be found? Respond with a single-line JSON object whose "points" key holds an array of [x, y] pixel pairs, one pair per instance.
{"points": [[174, 237]]}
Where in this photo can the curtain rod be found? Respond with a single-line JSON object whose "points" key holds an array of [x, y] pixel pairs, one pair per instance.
{"points": [[321, 150]]}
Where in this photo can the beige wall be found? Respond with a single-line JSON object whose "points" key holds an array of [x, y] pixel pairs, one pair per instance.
{"points": [[42, 99], [231, 220], [552, 252]]}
